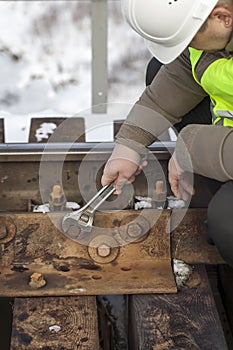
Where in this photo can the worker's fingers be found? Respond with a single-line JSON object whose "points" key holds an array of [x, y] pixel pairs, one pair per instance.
{"points": [[140, 167], [187, 187], [107, 178], [181, 187], [185, 190], [174, 187]]}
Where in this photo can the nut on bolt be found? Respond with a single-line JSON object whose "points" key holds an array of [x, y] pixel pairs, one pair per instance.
{"points": [[57, 198], [159, 192], [134, 230], [103, 250]]}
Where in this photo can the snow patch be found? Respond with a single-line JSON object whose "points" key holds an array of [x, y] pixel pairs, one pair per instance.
{"points": [[55, 328], [182, 272], [45, 131]]}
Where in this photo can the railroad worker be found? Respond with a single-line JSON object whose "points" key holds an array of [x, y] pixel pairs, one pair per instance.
{"points": [[193, 40]]}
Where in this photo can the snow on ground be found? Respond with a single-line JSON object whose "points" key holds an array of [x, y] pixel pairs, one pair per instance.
{"points": [[45, 55]]}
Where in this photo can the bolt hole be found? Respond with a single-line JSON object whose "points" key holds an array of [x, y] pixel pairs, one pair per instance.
{"points": [[19, 268], [63, 268], [96, 277], [126, 269]]}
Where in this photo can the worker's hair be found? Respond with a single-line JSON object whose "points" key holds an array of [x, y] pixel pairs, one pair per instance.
{"points": [[223, 2]]}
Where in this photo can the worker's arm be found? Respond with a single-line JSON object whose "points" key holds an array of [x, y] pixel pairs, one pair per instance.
{"points": [[172, 93], [205, 150]]}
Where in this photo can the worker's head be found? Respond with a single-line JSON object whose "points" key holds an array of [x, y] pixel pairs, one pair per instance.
{"points": [[169, 26]]}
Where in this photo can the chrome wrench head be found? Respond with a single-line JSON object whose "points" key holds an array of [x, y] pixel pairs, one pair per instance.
{"points": [[81, 220]]}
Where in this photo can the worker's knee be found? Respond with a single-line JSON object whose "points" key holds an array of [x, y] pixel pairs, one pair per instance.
{"points": [[220, 221]]}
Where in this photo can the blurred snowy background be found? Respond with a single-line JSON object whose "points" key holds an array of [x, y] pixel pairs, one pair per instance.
{"points": [[45, 59]]}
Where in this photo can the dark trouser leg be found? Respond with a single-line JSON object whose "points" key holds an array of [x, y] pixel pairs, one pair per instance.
{"points": [[220, 221], [199, 115]]}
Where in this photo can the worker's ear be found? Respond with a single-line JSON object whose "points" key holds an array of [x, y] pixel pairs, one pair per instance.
{"points": [[222, 15]]}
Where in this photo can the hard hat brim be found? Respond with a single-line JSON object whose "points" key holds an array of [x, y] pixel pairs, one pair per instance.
{"points": [[166, 54]]}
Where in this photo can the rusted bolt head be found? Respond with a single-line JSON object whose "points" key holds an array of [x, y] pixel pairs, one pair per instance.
{"points": [[37, 281], [3, 231], [134, 230], [104, 250]]}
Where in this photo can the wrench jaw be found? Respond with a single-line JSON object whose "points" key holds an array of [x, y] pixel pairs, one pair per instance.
{"points": [[80, 221], [85, 220], [75, 224], [68, 222]]}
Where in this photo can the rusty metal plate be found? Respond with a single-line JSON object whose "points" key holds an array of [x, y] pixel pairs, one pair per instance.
{"points": [[40, 261]]}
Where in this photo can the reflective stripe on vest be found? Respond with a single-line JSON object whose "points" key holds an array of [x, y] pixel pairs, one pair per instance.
{"points": [[222, 111], [224, 118]]}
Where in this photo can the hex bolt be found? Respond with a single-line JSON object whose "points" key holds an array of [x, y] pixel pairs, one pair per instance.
{"points": [[134, 230], [57, 198], [103, 250], [37, 280], [159, 195], [3, 231]]}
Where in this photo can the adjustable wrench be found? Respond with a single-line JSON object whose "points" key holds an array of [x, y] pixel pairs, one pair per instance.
{"points": [[83, 218]]}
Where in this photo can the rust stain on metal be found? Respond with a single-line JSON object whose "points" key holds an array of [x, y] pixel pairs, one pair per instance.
{"points": [[30, 229]]}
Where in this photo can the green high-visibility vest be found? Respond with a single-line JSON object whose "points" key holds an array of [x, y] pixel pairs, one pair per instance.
{"points": [[217, 81]]}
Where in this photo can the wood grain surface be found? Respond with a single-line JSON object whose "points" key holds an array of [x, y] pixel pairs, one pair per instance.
{"points": [[55, 323], [186, 320]]}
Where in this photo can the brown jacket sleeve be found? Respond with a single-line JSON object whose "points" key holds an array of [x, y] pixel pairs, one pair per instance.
{"points": [[207, 149], [171, 95]]}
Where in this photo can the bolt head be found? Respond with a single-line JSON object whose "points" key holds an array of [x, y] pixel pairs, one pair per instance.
{"points": [[134, 230], [104, 250]]}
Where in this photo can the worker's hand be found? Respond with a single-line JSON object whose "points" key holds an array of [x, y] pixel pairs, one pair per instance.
{"points": [[180, 182], [122, 167]]}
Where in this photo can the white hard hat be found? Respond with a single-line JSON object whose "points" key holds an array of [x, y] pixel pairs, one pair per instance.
{"points": [[167, 25]]}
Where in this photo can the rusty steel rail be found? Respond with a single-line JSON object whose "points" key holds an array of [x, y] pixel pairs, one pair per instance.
{"points": [[20, 167], [12, 151]]}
